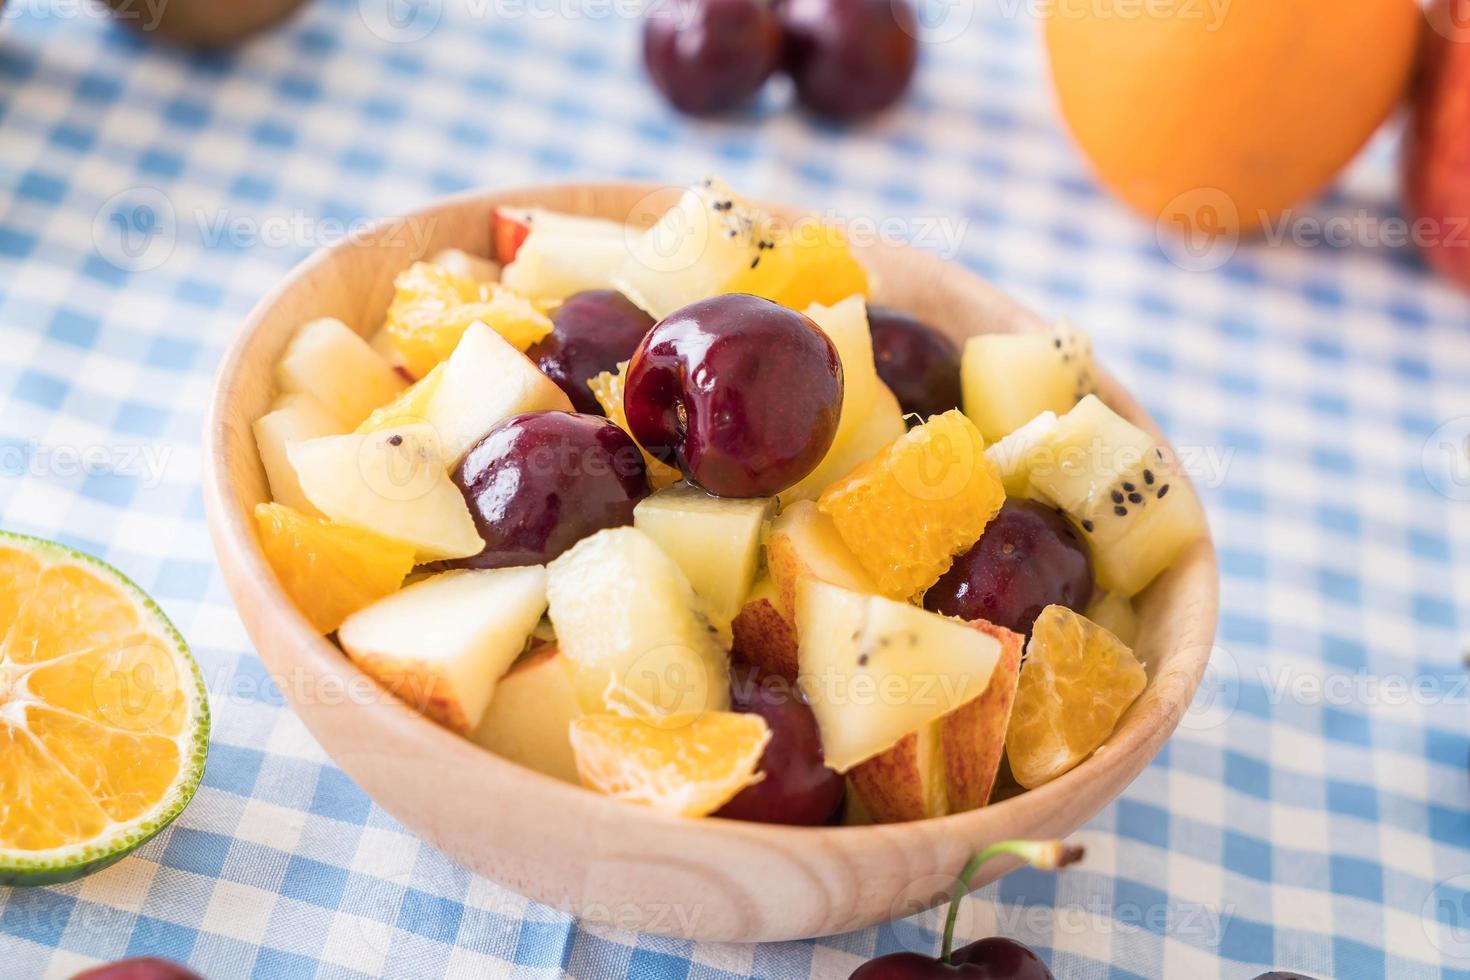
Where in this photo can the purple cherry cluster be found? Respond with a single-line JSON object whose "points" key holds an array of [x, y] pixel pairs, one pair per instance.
{"points": [[847, 58]]}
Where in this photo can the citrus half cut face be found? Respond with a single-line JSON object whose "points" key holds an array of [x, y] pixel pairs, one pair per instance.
{"points": [[104, 722]]}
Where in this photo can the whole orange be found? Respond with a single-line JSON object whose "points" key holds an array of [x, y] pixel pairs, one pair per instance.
{"points": [[1241, 106]]}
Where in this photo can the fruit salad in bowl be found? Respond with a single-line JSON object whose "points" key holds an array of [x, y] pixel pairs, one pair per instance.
{"points": [[682, 528]]}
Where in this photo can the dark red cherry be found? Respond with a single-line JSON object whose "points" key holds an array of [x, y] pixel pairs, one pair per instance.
{"points": [[538, 483], [849, 57], [918, 363], [591, 332], [798, 788], [709, 56], [999, 958], [740, 393], [141, 968], [987, 959], [1028, 558]]}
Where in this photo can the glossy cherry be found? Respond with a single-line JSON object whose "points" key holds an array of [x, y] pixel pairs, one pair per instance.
{"points": [[140, 968], [849, 58], [1028, 558], [995, 958], [591, 332], [798, 788], [920, 365], [709, 56], [740, 393], [538, 483]]}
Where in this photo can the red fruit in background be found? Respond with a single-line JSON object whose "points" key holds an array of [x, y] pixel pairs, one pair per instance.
{"points": [[142, 968], [741, 394], [849, 58], [709, 56], [1437, 145]]}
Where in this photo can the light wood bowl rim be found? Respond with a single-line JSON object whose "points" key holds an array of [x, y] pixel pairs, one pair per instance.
{"points": [[253, 585]]}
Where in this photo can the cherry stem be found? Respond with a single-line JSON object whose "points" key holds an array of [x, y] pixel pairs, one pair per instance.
{"points": [[1048, 855]]}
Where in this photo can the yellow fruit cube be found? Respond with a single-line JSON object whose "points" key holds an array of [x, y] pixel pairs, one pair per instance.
{"points": [[909, 510], [330, 570]]}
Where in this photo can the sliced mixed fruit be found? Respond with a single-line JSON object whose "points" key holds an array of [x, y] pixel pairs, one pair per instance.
{"points": [[671, 511], [104, 722]]}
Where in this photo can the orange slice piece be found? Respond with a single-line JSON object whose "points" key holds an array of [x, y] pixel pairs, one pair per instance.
{"points": [[685, 764], [1077, 681]]}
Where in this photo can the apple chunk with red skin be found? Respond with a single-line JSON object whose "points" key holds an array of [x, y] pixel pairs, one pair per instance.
{"points": [[949, 765], [444, 643]]}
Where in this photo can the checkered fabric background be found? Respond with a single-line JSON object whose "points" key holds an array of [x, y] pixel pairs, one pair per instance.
{"points": [[1313, 813]]}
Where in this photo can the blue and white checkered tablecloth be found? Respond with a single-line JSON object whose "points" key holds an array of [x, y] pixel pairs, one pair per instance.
{"points": [[1313, 812]]}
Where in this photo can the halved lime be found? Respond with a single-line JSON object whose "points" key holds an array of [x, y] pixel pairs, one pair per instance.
{"points": [[104, 722]]}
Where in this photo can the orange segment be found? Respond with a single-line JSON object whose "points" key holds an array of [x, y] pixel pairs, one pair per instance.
{"points": [[70, 609], [330, 570], [134, 687], [687, 764], [44, 806], [432, 307], [1077, 681], [809, 263], [909, 510], [607, 388], [126, 773]]}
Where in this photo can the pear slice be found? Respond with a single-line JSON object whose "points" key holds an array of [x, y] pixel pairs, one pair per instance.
{"points": [[485, 381], [875, 670], [444, 643], [391, 482]]}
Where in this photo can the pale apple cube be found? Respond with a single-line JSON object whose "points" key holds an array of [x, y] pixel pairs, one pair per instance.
{"points": [[552, 265], [330, 362], [716, 541], [486, 381], [530, 718], [846, 324], [293, 418], [626, 614], [444, 643]]}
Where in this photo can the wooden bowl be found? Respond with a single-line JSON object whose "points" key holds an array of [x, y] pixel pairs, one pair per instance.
{"points": [[602, 859]]}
